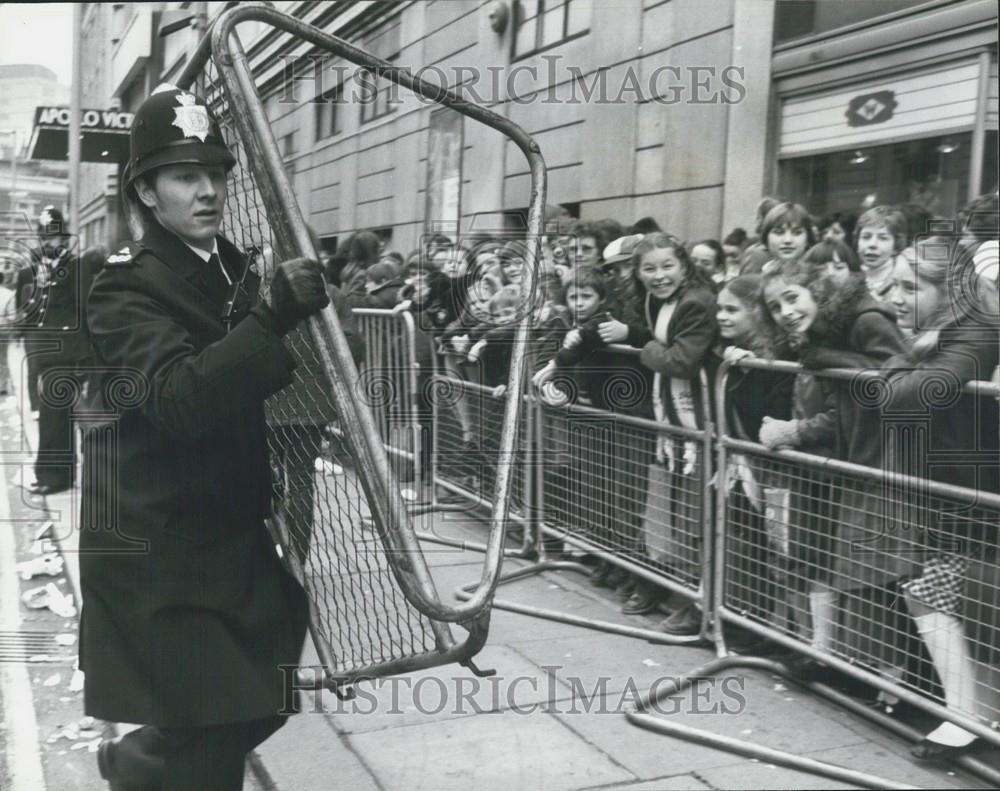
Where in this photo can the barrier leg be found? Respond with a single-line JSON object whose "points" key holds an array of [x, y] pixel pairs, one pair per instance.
{"points": [[650, 635], [640, 718]]}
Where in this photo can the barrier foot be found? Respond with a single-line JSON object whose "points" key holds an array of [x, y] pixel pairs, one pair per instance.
{"points": [[641, 719], [791, 760], [969, 763], [649, 635], [471, 546]]}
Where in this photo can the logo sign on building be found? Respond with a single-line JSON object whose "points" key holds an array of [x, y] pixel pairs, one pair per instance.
{"points": [[906, 106], [871, 108]]}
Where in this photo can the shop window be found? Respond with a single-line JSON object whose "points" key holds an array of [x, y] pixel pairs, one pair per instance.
{"points": [[328, 112], [539, 24], [799, 18], [932, 172], [379, 97]]}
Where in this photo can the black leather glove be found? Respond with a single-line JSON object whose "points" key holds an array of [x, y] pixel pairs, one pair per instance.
{"points": [[298, 290]]}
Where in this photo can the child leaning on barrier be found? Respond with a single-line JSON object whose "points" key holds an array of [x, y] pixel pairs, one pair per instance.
{"points": [[751, 394], [673, 322], [952, 309], [607, 465], [842, 326]]}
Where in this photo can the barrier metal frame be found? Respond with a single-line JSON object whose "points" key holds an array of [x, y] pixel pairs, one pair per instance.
{"points": [[721, 614], [536, 526], [410, 368], [714, 610], [222, 46], [724, 614]]}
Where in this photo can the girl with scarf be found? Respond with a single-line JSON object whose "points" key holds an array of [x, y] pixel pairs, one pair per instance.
{"points": [[673, 322]]}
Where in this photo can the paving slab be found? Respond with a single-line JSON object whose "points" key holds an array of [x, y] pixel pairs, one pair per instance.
{"points": [[615, 662], [446, 693], [875, 759], [674, 783], [306, 754], [495, 752], [737, 704]]}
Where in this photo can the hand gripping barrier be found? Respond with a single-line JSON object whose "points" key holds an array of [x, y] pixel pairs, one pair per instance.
{"points": [[811, 552], [756, 506], [589, 480], [374, 612]]}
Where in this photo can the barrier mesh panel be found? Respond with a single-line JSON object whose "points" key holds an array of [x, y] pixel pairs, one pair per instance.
{"points": [[829, 558], [358, 607]]}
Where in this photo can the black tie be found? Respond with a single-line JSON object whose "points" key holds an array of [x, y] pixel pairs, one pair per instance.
{"points": [[216, 280]]}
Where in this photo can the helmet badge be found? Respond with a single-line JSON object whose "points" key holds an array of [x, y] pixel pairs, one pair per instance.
{"points": [[191, 118]]}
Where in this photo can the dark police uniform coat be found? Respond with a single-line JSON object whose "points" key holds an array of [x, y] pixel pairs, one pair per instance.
{"points": [[187, 611]]}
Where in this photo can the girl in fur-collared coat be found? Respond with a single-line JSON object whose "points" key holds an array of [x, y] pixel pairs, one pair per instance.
{"points": [[954, 342], [844, 327]]}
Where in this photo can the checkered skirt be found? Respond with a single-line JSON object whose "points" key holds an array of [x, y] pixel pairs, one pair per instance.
{"points": [[941, 582]]}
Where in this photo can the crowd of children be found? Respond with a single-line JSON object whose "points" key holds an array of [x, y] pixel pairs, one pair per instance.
{"points": [[879, 292]]}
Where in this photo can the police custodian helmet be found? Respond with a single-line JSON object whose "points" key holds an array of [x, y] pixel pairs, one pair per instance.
{"points": [[174, 127], [51, 222]]}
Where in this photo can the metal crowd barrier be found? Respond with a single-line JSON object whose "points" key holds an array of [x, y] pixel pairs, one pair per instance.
{"points": [[758, 528], [831, 543], [389, 382], [349, 537]]}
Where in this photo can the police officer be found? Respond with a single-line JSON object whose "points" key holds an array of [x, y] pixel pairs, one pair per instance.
{"points": [[56, 344], [188, 614]]}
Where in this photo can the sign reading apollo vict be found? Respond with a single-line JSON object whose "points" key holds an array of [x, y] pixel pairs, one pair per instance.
{"points": [[104, 132]]}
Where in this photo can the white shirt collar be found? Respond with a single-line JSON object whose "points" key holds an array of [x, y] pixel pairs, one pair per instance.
{"points": [[202, 254]]}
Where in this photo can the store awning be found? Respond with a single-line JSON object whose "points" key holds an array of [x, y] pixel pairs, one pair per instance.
{"points": [[104, 135]]}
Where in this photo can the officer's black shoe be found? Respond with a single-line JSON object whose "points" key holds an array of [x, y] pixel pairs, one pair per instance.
{"points": [[106, 766]]}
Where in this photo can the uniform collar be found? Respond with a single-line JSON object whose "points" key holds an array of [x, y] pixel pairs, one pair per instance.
{"points": [[175, 252], [206, 257]]}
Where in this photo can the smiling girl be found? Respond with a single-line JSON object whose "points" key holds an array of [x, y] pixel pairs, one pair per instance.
{"points": [[750, 395], [844, 327], [954, 342], [674, 324]]}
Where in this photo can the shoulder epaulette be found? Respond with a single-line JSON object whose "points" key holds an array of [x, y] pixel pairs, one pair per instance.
{"points": [[124, 257]]}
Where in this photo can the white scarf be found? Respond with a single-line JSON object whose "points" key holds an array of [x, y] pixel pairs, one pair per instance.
{"points": [[681, 396]]}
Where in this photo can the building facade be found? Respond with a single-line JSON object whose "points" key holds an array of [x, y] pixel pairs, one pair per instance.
{"points": [[683, 110], [27, 186]]}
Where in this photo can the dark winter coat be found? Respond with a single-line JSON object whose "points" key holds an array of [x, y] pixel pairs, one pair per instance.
{"points": [[387, 297], [615, 382], [692, 331], [444, 303], [852, 330], [50, 298], [544, 341], [752, 395], [962, 431], [187, 611]]}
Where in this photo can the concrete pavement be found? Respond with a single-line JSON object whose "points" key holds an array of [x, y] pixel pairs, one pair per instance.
{"points": [[552, 717]]}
